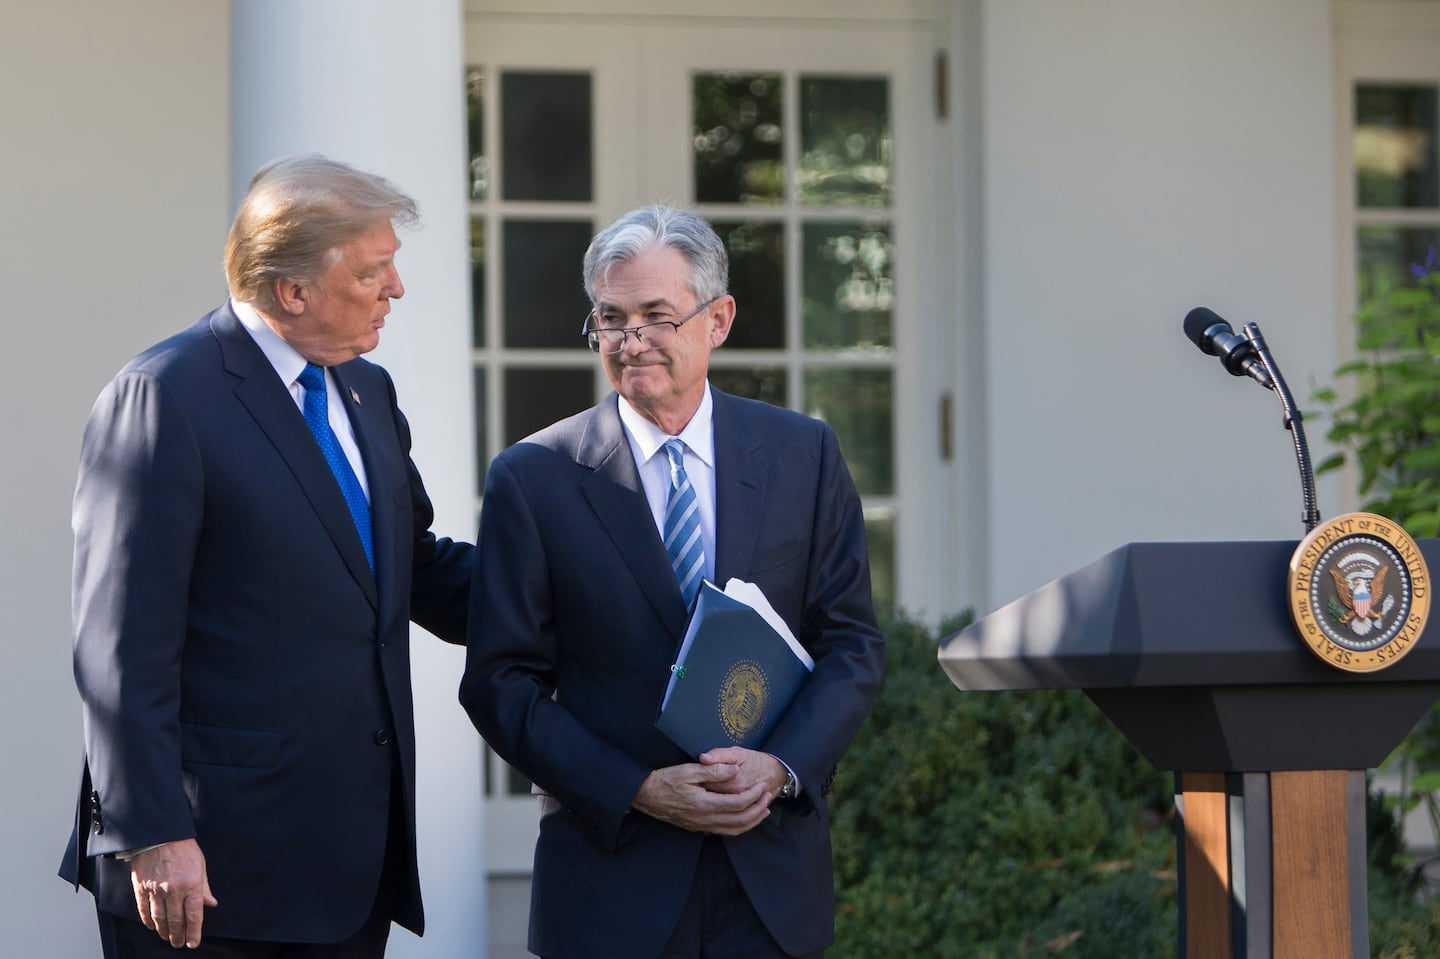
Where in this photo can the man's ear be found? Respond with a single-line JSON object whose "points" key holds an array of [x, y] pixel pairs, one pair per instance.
{"points": [[720, 315], [290, 296]]}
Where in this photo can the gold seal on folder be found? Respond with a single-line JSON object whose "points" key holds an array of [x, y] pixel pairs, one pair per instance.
{"points": [[743, 697]]}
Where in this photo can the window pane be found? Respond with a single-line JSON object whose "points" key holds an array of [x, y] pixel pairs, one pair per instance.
{"points": [[477, 282], [545, 302], [482, 434], [857, 403], [1396, 146], [757, 281], [736, 136], [880, 538], [475, 132], [845, 145], [757, 383], [536, 398], [1387, 254], [545, 136], [515, 782], [849, 286]]}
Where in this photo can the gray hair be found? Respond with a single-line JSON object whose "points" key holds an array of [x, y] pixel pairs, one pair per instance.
{"points": [[296, 214], [651, 227]]}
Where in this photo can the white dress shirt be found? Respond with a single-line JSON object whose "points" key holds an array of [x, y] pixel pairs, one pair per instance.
{"points": [[646, 440], [289, 365]]}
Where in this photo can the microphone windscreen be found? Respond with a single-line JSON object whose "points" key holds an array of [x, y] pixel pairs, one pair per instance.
{"points": [[1197, 321]]}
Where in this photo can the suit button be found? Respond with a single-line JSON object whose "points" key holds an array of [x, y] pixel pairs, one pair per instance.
{"points": [[382, 737]]}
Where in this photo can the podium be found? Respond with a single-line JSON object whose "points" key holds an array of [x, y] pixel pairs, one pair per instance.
{"points": [[1189, 649]]}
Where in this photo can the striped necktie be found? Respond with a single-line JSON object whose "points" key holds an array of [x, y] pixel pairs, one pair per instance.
{"points": [[317, 417], [682, 527]]}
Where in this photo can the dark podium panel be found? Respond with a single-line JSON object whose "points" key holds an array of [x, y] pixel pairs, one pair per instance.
{"points": [[1190, 650]]}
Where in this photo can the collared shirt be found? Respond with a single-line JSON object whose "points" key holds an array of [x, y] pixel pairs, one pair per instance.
{"points": [[289, 365], [646, 440]]}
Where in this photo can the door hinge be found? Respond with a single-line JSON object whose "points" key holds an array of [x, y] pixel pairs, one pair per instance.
{"points": [[947, 446], [942, 85]]}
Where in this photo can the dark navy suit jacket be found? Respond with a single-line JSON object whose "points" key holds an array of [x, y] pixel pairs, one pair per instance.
{"points": [[575, 620], [245, 679]]}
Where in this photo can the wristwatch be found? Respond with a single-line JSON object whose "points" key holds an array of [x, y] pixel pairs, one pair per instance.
{"points": [[791, 789]]}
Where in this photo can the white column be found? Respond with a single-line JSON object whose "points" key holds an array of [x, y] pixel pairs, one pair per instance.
{"points": [[381, 86]]}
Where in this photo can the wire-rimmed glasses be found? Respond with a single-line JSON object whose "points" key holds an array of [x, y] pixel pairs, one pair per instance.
{"points": [[657, 335]]}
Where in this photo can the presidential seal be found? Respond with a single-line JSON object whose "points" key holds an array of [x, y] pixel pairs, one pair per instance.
{"points": [[744, 695], [1359, 592]]}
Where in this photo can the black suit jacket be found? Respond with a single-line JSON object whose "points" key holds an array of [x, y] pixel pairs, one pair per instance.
{"points": [[575, 620], [245, 679]]}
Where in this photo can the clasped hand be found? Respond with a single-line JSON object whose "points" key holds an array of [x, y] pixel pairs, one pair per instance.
{"points": [[728, 792]]}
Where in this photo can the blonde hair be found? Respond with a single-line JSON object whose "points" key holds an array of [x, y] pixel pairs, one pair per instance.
{"points": [[296, 214]]}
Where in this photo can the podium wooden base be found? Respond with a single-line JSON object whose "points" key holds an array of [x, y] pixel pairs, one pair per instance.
{"points": [[1272, 865]]}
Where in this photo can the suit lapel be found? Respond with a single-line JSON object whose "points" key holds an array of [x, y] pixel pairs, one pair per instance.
{"points": [[274, 410], [741, 468], [618, 498]]}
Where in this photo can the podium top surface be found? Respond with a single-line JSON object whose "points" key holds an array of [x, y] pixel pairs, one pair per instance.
{"points": [[1164, 615]]}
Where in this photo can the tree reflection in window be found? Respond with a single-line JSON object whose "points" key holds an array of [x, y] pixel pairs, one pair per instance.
{"points": [[737, 138]]}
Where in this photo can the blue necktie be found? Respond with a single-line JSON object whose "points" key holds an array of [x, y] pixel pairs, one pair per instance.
{"points": [[317, 417], [682, 527]]}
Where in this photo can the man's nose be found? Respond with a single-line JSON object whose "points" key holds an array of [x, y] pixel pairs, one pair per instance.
{"points": [[633, 343], [394, 289]]}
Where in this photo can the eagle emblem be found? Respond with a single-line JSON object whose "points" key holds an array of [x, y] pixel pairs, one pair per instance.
{"points": [[1360, 588], [1359, 592]]}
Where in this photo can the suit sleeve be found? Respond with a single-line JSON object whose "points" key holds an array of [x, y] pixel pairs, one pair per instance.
{"points": [[440, 567], [512, 664], [137, 517], [838, 627]]}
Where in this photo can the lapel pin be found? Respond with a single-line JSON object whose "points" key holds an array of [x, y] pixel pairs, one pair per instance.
{"points": [[355, 395]]}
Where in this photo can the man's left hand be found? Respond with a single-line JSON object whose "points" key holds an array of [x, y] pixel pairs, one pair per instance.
{"points": [[172, 891], [751, 767]]}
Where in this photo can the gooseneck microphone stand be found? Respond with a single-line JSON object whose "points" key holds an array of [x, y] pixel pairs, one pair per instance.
{"points": [[1294, 423]]}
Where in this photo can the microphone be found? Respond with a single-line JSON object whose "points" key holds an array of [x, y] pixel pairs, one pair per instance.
{"points": [[1249, 356], [1237, 354]]}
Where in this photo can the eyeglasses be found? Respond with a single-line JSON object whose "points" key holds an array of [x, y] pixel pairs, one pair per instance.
{"points": [[606, 339]]}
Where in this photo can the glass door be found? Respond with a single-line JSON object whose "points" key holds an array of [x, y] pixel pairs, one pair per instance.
{"points": [[795, 163]]}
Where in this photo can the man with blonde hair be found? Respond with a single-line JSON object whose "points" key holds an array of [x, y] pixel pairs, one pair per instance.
{"points": [[251, 540]]}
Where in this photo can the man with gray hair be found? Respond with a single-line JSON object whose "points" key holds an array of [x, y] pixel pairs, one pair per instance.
{"points": [[251, 540], [594, 537]]}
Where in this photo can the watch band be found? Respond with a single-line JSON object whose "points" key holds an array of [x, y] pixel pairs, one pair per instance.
{"points": [[791, 787]]}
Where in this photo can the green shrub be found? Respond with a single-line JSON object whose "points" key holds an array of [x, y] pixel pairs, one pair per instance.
{"points": [[1403, 924], [990, 825], [1388, 426], [997, 824]]}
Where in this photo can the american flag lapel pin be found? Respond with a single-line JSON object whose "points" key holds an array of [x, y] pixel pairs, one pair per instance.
{"points": [[355, 395]]}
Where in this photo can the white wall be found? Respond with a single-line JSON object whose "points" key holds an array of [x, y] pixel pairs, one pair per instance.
{"points": [[1143, 157], [112, 182]]}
